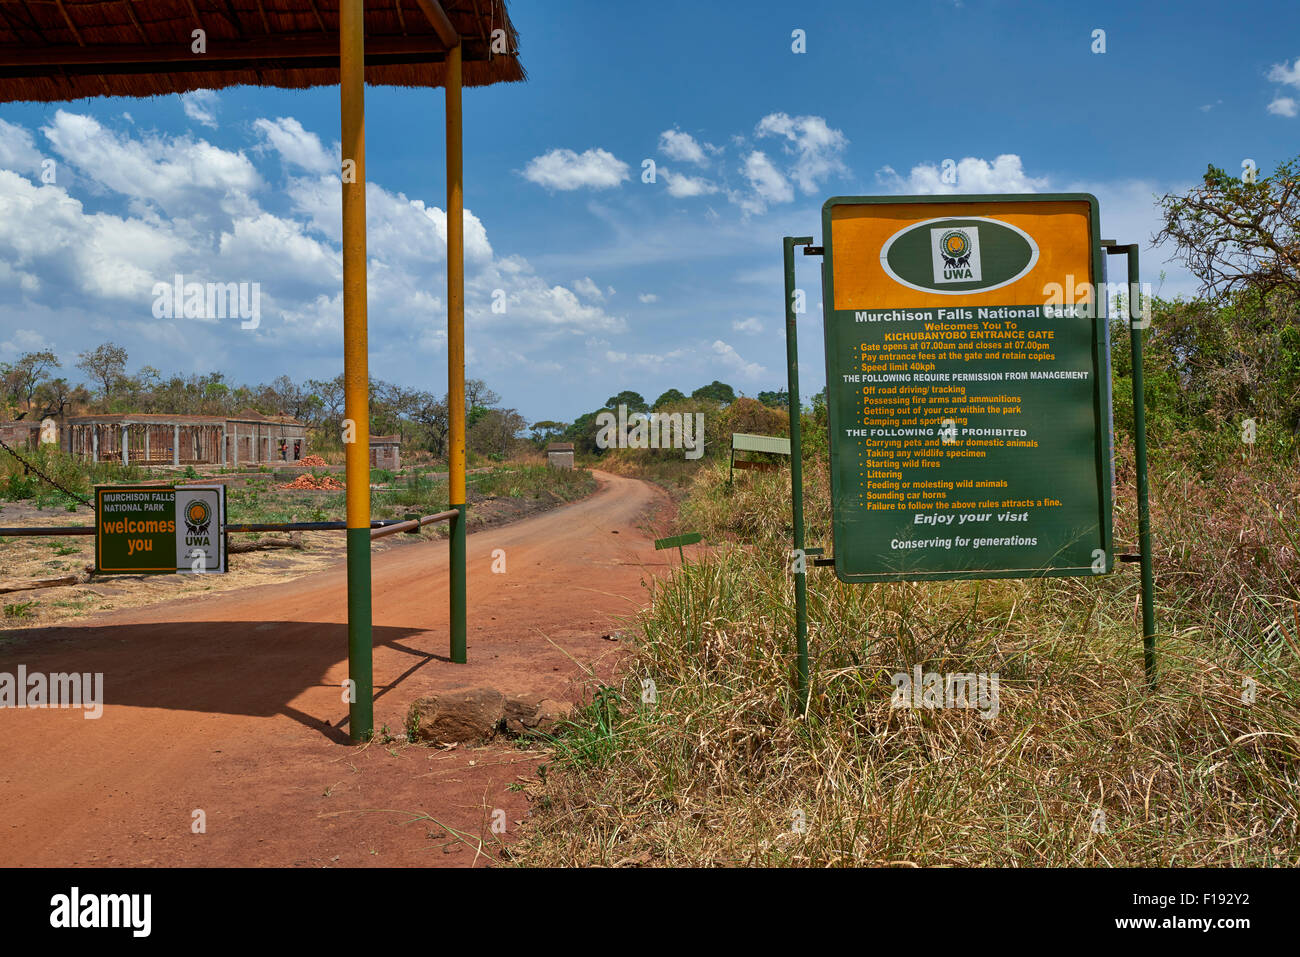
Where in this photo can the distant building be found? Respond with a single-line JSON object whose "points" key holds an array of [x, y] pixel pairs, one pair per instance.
{"points": [[385, 452], [559, 455], [246, 438], [22, 434]]}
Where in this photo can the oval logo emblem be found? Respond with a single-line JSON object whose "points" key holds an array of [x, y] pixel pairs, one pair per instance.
{"points": [[957, 255]]}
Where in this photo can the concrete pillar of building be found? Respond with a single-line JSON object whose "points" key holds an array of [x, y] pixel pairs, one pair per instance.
{"points": [[126, 445]]}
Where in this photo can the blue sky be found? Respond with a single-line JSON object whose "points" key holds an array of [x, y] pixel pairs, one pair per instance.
{"points": [[611, 283]]}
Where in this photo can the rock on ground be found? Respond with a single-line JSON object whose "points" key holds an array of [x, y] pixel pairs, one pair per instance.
{"points": [[478, 714]]}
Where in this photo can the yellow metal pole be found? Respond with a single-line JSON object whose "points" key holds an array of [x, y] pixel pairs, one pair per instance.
{"points": [[456, 353], [356, 376]]}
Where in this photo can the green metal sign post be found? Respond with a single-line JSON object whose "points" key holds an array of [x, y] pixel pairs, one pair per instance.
{"points": [[1137, 323], [677, 542], [968, 394], [768, 444], [796, 471]]}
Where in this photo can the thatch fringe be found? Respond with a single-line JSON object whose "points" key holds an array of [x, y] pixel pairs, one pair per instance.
{"points": [[53, 50]]}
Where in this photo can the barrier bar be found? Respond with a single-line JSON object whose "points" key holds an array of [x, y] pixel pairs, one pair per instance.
{"points": [[409, 525]]}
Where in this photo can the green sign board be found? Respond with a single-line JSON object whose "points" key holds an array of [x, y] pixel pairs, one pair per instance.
{"points": [[677, 541], [968, 387], [773, 444], [160, 529]]}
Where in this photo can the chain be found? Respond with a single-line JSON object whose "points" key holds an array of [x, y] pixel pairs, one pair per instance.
{"points": [[43, 476]]}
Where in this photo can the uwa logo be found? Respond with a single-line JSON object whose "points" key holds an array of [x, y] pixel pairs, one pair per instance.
{"points": [[955, 254]]}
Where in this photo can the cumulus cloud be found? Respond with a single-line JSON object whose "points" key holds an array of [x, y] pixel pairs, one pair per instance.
{"points": [[1004, 175], [179, 176], [1287, 76], [751, 325], [682, 186], [1283, 106], [297, 147], [814, 144], [54, 248], [17, 149], [563, 169], [733, 361], [648, 297], [682, 146], [767, 184], [201, 106], [588, 289], [186, 206]]}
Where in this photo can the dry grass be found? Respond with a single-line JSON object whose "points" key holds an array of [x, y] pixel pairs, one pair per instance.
{"points": [[1082, 765]]}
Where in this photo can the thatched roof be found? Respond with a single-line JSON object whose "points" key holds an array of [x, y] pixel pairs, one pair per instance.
{"points": [[68, 49]]}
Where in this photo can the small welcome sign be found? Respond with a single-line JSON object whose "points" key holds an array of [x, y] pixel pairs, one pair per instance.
{"points": [[159, 529]]}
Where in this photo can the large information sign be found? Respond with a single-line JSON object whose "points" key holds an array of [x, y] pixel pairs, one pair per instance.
{"points": [[157, 529], [968, 387]]}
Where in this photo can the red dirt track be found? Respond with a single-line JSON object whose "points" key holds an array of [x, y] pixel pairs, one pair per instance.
{"points": [[232, 705]]}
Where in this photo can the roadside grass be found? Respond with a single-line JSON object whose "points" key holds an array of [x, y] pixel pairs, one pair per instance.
{"points": [[530, 480], [22, 609], [421, 490], [17, 483], [1083, 765]]}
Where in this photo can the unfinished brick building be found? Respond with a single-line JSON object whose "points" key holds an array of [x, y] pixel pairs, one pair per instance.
{"points": [[21, 434], [247, 438]]}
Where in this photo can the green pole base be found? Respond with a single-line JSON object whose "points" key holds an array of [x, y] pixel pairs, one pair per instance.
{"points": [[361, 711], [458, 577]]}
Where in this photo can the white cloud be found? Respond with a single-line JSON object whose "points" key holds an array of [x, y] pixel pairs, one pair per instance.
{"points": [[751, 325], [18, 150], [397, 228], [682, 146], [682, 186], [191, 208], [1003, 175], [1283, 106], [815, 145], [296, 146], [53, 246], [766, 183], [564, 169], [733, 361], [180, 175], [201, 106], [588, 289], [648, 297], [1287, 75]]}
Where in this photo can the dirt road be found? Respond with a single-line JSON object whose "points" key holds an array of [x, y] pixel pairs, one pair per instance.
{"points": [[227, 710]]}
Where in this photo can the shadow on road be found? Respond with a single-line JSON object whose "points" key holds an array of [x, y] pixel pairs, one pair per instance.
{"points": [[225, 667]]}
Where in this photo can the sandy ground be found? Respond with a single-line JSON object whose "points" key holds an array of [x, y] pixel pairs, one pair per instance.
{"points": [[227, 707]]}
